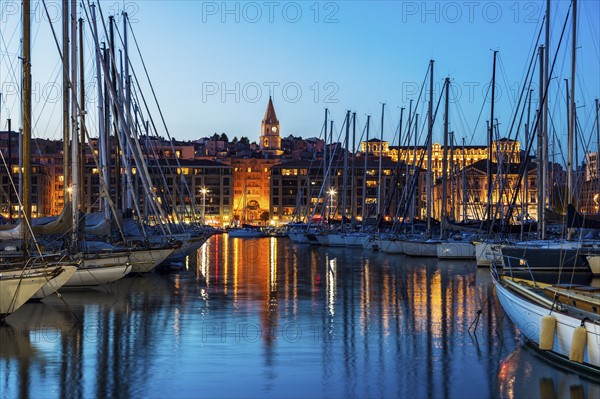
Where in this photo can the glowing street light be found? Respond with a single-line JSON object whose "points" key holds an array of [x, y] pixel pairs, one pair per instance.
{"points": [[331, 193], [203, 191]]}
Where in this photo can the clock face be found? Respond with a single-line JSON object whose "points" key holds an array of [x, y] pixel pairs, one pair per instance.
{"points": [[274, 129]]}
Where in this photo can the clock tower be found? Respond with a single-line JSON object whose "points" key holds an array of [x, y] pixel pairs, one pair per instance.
{"points": [[270, 141]]}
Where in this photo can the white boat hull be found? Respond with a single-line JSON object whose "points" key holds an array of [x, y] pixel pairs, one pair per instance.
{"points": [[371, 242], [18, 286], [317, 239], [245, 233], [143, 261], [188, 247], [456, 250], [298, 237], [527, 316], [354, 240], [336, 240], [55, 283], [391, 246], [100, 269], [421, 248]]}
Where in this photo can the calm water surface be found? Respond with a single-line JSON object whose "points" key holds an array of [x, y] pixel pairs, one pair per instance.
{"points": [[267, 318]]}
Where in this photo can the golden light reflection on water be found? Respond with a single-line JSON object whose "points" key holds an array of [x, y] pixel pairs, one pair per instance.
{"points": [[364, 298], [273, 264], [331, 285], [358, 323], [225, 246]]}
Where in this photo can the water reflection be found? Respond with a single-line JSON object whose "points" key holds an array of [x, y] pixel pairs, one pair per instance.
{"points": [[264, 317], [524, 374]]}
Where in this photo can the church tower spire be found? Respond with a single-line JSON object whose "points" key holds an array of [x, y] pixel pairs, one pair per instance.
{"points": [[270, 141]]}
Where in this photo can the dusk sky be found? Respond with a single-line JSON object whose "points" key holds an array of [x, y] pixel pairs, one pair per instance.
{"points": [[214, 64]]}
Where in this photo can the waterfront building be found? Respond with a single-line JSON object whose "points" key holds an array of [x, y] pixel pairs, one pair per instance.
{"points": [[299, 193]]}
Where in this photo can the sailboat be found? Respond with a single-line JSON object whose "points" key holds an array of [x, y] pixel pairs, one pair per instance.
{"points": [[30, 276], [561, 320]]}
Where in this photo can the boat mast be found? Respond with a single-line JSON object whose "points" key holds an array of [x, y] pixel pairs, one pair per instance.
{"points": [[345, 174], [417, 176], [540, 150], [352, 190], [525, 202], [463, 180], [380, 183], [325, 181], [9, 123], [26, 147], [544, 105], [443, 210], [113, 78], [570, 190], [452, 177], [490, 141], [429, 149], [597, 153], [74, 130], [398, 174], [102, 137], [128, 191], [66, 120], [82, 117], [364, 188]]}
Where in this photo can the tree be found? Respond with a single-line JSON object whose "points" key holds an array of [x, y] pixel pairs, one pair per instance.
{"points": [[244, 140], [224, 138]]}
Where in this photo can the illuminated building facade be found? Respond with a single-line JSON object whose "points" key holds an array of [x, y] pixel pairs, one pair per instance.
{"points": [[299, 193]]}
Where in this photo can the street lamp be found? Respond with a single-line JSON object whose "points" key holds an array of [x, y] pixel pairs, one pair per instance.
{"points": [[203, 191], [331, 195]]}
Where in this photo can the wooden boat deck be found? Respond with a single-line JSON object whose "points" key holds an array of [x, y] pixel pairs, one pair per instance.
{"points": [[580, 296]]}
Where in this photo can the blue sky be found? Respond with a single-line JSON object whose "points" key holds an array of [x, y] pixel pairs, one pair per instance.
{"points": [[214, 64]]}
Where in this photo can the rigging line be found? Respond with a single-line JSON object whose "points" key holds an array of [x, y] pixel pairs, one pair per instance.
{"points": [[34, 127], [537, 118], [77, 106], [136, 80], [593, 33], [123, 121]]}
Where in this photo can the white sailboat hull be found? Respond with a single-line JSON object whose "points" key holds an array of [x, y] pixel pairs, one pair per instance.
{"points": [[527, 316], [18, 286], [190, 244], [456, 250], [354, 240], [143, 261], [298, 237], [245, 233], [336, 240], [371, 242], [421, 248], [100, 269], [391, 246], [55, 283]]}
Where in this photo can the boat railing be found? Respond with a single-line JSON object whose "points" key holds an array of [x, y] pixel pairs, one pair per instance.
{"points": [[516, 263]]}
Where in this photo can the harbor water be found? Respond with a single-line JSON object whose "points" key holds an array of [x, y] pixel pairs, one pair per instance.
{"points": [[269, 318]]}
